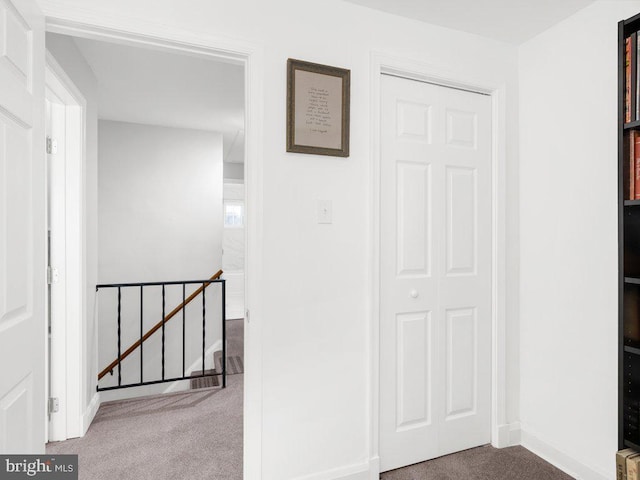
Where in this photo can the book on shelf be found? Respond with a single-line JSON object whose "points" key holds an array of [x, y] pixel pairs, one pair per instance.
{"points": [[631, 151], [630, 166], [635, 138], [633, 62], [637, 78], [627, 79], [631, 76], [621, 463]]}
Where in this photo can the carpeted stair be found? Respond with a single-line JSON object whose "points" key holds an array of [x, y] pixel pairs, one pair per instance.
{"points": [[204, 382], [235, 357], [235, 364]]}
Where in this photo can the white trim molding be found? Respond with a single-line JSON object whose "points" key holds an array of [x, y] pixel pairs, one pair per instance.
{"points": [[384, 64], [359, 471], [515, 434], [560, 459], [86, 23], [374, 468], [67, 369], [508, 435], [90, 413]]}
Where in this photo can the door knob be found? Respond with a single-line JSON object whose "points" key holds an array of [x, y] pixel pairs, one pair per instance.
{"points": [[413, 293]]}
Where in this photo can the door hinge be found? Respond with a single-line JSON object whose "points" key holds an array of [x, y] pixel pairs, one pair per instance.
{"points": [[52, 275], [54, 405], [52, 146]]}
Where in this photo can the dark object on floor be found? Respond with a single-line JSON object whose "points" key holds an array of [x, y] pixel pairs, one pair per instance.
{"points": [[482, 463], [204, 382]]}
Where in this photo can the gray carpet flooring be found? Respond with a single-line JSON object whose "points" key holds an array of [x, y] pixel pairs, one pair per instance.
{"points": [[197, 435], [482, 463]]}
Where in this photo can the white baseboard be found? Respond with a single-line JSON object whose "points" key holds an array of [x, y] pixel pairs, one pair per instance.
{"points": [[374, 468], [90, 413], [358, 471], [197, 365], [508, 435], [560, 459], [500, 439], [515, 434]]}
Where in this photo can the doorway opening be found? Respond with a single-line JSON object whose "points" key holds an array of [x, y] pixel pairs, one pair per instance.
{"points": [[127, 181]]}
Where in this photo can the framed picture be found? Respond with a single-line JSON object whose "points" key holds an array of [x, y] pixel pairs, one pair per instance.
{"points": [[318, 99]]}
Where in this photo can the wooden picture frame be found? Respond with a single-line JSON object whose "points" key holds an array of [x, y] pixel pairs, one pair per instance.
{"points": [[318, 98]]}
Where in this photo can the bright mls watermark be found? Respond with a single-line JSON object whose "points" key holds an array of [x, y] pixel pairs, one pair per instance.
{"points": [[36, 467]]}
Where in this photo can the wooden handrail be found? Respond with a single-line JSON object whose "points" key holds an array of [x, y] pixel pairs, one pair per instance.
{"points": [[157, 326]]}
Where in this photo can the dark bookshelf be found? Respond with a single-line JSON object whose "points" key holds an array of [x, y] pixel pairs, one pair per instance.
{"points": [[630, 444], [631, 21], [628, 240]]}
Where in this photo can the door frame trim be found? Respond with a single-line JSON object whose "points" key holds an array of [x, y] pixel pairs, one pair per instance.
{"points": [[68, 378], [401, 67], [136, 32]]}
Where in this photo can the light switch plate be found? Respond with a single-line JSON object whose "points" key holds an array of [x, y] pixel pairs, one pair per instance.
{"points": [[325, 211]]}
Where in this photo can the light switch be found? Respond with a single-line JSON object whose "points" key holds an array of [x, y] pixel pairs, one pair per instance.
{"points": [[324, 211]]}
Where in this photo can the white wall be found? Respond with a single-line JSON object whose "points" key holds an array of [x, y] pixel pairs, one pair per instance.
{"points": [[71, 60], [159, 203], [316, 320], [233, 171], [233, 248], [233, 236], [160, 219], [568, 282]]}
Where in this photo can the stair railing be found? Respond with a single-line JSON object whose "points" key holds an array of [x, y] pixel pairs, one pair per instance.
{"points": [[215, 279]]}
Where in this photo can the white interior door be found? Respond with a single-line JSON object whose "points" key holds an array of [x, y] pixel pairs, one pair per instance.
{"points": [[435, 268], [22, 228]]}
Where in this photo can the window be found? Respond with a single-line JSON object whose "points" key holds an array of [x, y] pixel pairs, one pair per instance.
{"points": [[233, 215]]}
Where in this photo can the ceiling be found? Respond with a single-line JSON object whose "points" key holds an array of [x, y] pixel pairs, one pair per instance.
{"points": [[511, 21], [155, 87]]}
